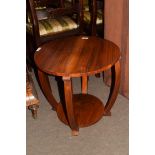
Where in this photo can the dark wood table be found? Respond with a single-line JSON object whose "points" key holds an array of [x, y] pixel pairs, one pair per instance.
{"points": [[78, 56]]}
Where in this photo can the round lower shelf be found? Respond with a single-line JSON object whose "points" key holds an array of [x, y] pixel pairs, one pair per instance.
{"points": [[88, 110]]}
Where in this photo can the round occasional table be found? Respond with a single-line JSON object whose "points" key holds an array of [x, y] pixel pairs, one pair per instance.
{"points": [[78, 56]]}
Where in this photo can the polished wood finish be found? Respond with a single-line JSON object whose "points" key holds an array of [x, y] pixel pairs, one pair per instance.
{"points": [[34, 39], [69, 106], [94, 27], [79, 56], [84, 84], [88, 109], [114, 87], [46, 88]]}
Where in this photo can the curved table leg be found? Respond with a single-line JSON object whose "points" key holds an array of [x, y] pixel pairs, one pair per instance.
{"points": [[115, 70], [84, 84], [45, 85], [69, 106]]}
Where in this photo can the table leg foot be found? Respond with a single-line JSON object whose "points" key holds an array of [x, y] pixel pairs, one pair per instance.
{"points": [[34, 113], [75, 133], [107, 113], [34, 109]]}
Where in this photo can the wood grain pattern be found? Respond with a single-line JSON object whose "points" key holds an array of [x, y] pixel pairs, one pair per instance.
{"points": [[45, 85], [114, 87], [79, 56], [88, 109], [75, 57], [84, 84], [69, 106]]}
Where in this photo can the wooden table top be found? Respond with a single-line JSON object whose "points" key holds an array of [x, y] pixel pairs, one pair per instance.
{"points": [[76, 56]]}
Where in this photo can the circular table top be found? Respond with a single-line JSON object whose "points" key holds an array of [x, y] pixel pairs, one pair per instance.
{"points": [[76, 56]]}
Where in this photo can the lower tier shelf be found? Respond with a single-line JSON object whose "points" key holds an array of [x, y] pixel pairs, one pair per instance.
{"points": [[88, 110]]}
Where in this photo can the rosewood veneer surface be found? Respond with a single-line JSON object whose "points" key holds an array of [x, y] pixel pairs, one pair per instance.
{"points": [[78, 56]]}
